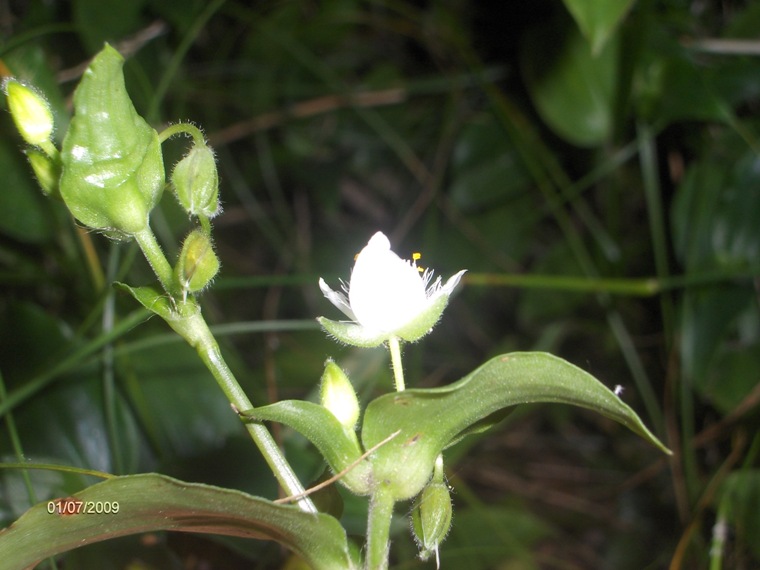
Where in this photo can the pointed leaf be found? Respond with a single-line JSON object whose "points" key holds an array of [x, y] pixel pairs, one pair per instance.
{"points": [[598, 20], [152, 502], [572, 89], [431, 418], [151, 299], [338, 445]]}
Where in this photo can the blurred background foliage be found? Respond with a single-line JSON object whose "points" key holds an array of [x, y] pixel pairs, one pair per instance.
{"points": [[593, 164]]}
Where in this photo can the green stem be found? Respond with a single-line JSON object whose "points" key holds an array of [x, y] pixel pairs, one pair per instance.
{"points": [[10, 424], [195, 330], [398, 370], [378, 529], [186, 128], [155, 256]]}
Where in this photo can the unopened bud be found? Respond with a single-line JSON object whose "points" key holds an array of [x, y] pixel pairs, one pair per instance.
{"points": [[113, 169], [197, 264], [46, 170], [431, 514], [196, 182], [338, 395], [30, 111]]}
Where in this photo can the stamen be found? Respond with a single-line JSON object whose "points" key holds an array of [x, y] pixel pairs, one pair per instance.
{"points": [[416, 256]]}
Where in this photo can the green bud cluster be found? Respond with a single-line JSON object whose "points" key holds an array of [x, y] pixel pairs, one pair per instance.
{"points": [[33, 118]]}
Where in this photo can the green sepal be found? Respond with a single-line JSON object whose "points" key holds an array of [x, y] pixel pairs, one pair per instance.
{"points": [[47, 171], [430, 419], [338, 445], [424, 322], [352, 334], [151, 503], [113, 171]]}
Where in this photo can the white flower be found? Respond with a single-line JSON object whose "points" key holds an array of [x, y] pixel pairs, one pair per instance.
{"points": [[387, 296]]}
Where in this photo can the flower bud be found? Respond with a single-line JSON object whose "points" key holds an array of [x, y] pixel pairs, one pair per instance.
{"points": [[113, 171], [196, 182], [30, 111], [46, 170], [338, 395], [431, 514], [197, 264]]}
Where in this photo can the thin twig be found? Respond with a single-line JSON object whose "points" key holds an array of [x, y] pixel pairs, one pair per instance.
{"points": [[337, 476], [127, 47]]}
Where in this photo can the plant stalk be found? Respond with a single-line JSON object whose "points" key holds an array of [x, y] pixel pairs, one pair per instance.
{"points": [[398, 370], [378, 529], [196, 332], [155, 256]]}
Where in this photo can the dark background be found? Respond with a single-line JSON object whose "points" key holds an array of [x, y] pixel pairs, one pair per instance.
{"points": [[484, 135]]}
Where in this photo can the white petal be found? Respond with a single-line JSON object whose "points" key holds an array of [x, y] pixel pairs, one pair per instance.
{"points": [[337, 299], [452, 282], [385, 291]]}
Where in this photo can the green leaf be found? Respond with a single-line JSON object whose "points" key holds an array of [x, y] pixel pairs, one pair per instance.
{"points": [[338, 445], [152, 502], [23, 214], [598, 20], [150, 298], [740, 499], [431, 418], [572, 89]]}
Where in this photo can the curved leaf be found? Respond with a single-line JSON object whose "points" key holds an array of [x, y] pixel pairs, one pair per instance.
{"points": [[338, 445], [572, 89], [152, 502], [431, 418]]}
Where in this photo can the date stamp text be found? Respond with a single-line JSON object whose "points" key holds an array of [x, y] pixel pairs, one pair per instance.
{"points": [[74, 506]]}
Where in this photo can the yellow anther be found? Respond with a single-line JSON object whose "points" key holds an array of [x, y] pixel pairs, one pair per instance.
{"points": [[416, 256]]}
